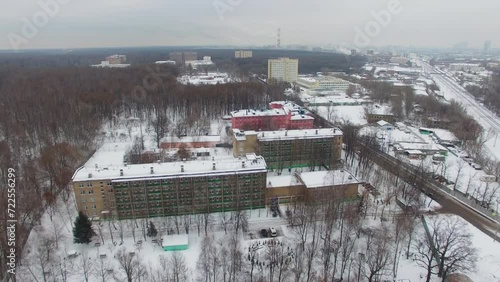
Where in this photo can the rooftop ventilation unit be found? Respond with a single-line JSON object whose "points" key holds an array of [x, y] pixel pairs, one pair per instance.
{"points": [[121, 172]]}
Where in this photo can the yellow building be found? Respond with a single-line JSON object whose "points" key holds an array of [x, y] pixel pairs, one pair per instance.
{"points": [[165, 189], [283, 69], [284, 149]]}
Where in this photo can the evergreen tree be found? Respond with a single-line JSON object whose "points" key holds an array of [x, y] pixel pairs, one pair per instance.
{"points": [[152, 232], [82, 232]]}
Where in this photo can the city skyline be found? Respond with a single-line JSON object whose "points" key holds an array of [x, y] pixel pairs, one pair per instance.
{"points": [[133, 23]]}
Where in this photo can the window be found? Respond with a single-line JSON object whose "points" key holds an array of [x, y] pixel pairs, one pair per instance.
{"points": [[89, 184], [82, 192], [93, 206], [81, 185], [83, 200], [85, 207], [91, 192], [92, 200]]}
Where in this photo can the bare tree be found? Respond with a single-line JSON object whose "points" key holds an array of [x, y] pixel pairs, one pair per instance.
{"points": [[121, 227], [86, 266], [186, 220], [453, 244], [378, 255], [207, 220], [130, 264], [132, 224], [224, 220], [424, 256], [177, 265], [297, 266], [278, 257], [240, 220], [102, 270], [204, 263]]}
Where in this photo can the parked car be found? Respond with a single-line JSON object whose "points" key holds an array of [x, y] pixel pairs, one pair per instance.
{"points": [[476, 166], [264, 233], [273, 232]]}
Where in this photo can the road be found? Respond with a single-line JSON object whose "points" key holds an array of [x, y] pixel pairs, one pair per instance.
{"points": [[453, 203], [452, 90], [449, 200]]}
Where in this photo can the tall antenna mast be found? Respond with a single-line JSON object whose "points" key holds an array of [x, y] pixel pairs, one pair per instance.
{"points": [[278, 42]]}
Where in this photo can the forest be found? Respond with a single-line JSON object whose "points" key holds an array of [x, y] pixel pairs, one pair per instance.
{"points": [[52, 119]]}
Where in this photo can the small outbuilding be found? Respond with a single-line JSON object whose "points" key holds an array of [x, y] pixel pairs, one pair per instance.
{"points": [[175, 242], [385, 125]]}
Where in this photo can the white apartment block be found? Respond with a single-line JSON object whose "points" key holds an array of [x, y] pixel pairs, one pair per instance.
{"points": [[466, 67], [283, 69], [241, 54], [324, 83]]}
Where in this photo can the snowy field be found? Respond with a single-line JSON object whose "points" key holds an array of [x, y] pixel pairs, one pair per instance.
{"points": [[341, 114]]}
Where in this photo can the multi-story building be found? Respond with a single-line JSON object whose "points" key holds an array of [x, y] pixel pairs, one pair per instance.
{"points": [[116, 59], [180, 58], [241, 54], [466, 67], [283, 69], [280, 115], [164, 189], [286, 149], [314, 186], [324, 83], [399, 60]]}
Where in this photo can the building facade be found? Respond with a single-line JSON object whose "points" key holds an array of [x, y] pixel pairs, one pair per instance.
{"points": [[324, 83], [280, 115], [315, 186], [116, 59], [288, 149], [283, 69], [166, 189], [242, 54], [180, 58]]}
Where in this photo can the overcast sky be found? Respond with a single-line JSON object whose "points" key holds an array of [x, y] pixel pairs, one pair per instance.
{"points": [[114, 23]]}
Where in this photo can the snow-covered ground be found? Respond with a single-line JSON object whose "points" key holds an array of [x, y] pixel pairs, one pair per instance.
{"points": [[353, 114]]}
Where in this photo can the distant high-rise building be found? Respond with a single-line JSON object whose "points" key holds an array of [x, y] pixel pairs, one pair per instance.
{"points": [[241, 54], [283, 69], [354, 52], [182, 57], [487, 46]]}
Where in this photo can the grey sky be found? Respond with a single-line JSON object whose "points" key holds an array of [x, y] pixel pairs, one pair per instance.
{"points": [[109, 23]]}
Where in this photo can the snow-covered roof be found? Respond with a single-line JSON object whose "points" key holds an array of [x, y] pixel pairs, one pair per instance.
{"points": [[318, 179], [172, 169], [109, 154], [408, 146], [301, 117], [282, 181], [292, 134], [175, 240], [444, 134], [270, 112], [191, 139], [383, 123]]}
